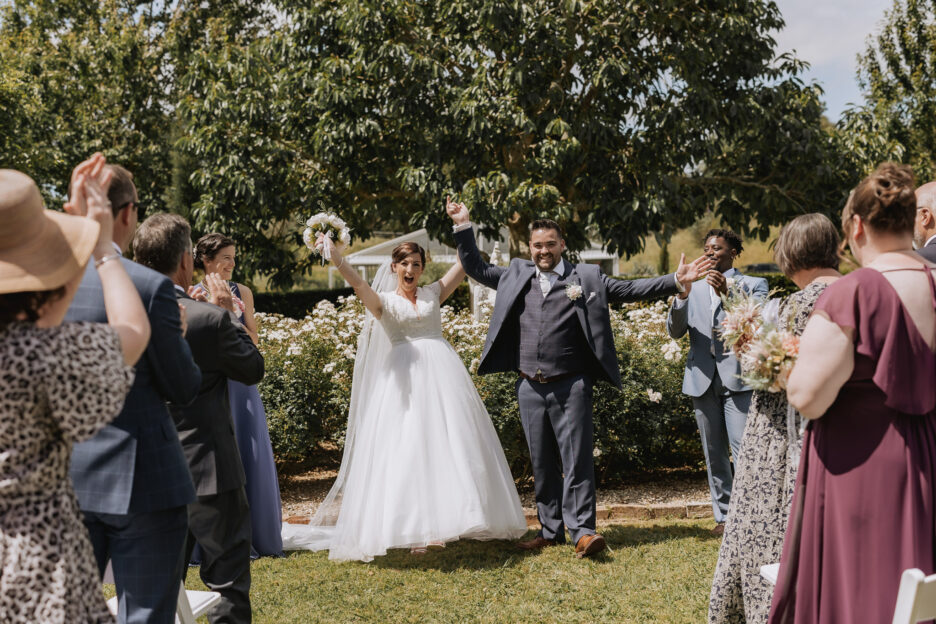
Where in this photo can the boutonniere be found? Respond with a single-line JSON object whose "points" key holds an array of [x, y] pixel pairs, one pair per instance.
{"points": [[573, 291]]}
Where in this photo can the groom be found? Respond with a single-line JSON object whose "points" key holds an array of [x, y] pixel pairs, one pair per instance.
{"points": [[551, 325]]}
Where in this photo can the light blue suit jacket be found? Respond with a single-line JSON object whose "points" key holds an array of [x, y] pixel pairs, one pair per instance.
{"points": [[706, 352]]}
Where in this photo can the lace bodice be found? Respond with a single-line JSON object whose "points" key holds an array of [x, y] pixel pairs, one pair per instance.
{"points": [[405, 322]]}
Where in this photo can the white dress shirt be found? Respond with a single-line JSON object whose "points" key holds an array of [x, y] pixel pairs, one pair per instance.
{"points": [[548, 278]]}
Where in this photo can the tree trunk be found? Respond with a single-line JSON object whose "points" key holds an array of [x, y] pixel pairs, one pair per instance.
{"points": [[663, 262], [519, 227]]}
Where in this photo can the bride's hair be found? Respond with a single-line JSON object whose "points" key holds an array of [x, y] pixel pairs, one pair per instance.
{"points": [[404, 249]]}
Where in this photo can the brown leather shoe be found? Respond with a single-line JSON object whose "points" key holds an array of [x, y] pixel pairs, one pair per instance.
{"points": [[536, 543], [719, 529], [589, 545]]}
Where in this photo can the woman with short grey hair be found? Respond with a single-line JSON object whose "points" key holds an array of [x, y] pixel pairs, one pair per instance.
{"points": [[807, 252]]}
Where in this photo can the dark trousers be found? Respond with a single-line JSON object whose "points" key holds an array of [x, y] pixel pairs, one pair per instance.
{"points": [[221, 525], [557, 421], [146, 551]]}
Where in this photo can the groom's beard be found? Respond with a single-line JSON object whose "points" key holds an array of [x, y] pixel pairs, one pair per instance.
{"points": [[554, 260]]}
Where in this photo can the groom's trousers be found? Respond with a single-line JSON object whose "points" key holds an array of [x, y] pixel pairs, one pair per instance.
{"points": [[557, 421]]}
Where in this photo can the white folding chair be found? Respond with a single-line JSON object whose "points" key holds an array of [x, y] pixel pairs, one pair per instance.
{"points": [[916, 599], [769, 572]]}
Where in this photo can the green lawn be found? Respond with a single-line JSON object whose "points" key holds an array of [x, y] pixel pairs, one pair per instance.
{"points": [[656, 571]]}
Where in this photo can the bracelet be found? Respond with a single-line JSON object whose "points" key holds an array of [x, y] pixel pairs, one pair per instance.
{"points": [[338, 266], [100, 261]]}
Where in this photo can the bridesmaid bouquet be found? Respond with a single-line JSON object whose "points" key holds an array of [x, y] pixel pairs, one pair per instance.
{"points": [[767, 350], [743, 318], [769, 358], [331, 226]]}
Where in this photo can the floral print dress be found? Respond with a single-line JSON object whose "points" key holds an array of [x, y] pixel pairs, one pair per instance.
{"points": [[58, 386], [761, 495]]}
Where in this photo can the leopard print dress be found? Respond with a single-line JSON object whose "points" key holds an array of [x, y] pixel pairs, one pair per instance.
{"points": [[761, 495], [58, 386]]}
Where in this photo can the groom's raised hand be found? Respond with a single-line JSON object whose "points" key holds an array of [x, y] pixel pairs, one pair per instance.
{"points": [[688, 273], [457, 211]]}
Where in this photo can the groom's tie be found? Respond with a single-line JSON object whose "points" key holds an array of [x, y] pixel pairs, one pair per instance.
{"points": [[545, 283]]}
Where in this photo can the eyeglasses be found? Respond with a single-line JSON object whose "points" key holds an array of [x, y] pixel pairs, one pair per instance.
{"points": [[140, 208]]}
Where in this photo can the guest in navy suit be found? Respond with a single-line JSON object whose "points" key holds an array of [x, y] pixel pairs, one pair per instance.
{"points": [[132, 480], [924, 226]]}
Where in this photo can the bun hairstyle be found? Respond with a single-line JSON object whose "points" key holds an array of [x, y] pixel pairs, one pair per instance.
{"points": [[405, 249], [885, 200], [208, 247]]}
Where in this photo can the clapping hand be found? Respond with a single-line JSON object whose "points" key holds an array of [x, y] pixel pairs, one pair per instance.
{"points": [[457, 211], [198, 294], [88, 198], [717, 280], [219, 292], [695, 270]]}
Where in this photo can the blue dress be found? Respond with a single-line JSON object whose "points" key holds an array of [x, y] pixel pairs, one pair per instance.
{"points": [[253, 442]]}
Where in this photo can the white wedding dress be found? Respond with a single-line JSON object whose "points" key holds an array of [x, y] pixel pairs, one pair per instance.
{"points": [[422, 461]]}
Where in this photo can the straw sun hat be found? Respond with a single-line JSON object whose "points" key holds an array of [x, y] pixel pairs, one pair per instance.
{"points": [[39, 249]]}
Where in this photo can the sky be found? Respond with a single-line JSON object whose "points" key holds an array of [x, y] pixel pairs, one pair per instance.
{"points": [[829, 34]]}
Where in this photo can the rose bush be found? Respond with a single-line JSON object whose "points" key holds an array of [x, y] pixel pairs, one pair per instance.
{"points": [[647, 424]]}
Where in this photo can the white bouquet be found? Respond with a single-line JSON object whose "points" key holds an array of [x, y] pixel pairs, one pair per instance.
{"points": [[332, 227]]}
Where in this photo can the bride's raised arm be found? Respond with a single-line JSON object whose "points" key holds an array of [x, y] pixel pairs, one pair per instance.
{"points": [[362, 289], [450, 281]]}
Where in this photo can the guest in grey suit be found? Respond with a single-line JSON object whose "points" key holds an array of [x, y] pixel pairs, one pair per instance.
{"points": [[220, 519], [132, 480], [551, 324], [720, 399], [924, 226]]}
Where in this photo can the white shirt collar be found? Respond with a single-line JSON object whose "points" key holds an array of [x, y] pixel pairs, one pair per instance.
{"points": [[559, 269], [179, 288], [929, 240], [117, 247]]}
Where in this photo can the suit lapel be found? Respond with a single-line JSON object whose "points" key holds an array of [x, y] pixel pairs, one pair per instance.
{"points": [[571, 275]]}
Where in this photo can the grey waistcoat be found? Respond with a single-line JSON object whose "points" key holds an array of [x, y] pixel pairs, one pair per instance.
{"points": [[551, 337]]}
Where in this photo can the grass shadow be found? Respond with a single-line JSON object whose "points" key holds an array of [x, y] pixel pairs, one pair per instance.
{"points": [[459, 556], [623, 536]]}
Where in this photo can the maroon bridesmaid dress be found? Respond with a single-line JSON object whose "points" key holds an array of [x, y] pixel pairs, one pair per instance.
{"points": [[864, 507]]}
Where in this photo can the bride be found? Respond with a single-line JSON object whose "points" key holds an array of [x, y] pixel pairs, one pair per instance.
{"points": [[422, 463]]}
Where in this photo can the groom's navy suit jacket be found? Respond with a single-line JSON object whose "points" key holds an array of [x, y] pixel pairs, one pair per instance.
{"points": [[135, 464], [501, 349]]}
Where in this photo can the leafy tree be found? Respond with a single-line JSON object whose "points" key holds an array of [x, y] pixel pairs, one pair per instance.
{"points": [[898, 75], [84, 76], [615, 118]]}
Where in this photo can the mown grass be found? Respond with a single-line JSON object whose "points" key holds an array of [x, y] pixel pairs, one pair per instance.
{"points": [[655, 571]]}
